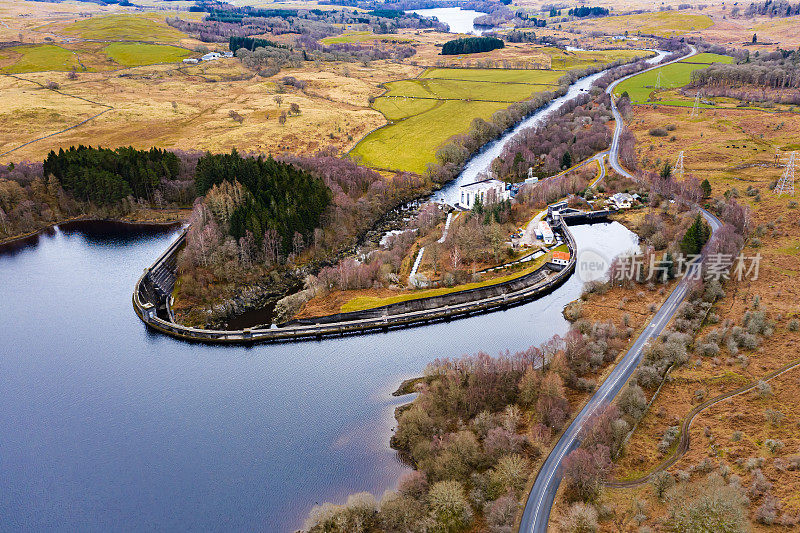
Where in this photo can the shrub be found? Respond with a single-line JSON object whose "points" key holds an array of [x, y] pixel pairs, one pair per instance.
{"points": [[501, 513], [632, 402], [767, 512], [773, 445], [658, 132], [669, 438], [450, 510], [581, 518], [662, 482], [794, 325], [763, 389], [711, 505]]}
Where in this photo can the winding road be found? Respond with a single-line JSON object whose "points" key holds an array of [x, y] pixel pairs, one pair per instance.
{"points": [[536, 515]]}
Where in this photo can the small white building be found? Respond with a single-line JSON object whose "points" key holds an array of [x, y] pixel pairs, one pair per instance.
{"points": [[486, 191], [227, 54], [546, 232], [191, 60], [622, 200], [211, 56]]}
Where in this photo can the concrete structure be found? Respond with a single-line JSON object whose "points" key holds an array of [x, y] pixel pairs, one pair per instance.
{"points": [[554, 210], [153, 287], [622, 200], [191, 60], [486, 191]]}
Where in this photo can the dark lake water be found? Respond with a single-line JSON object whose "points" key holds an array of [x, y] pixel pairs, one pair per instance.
{"points": [[107, 426]]}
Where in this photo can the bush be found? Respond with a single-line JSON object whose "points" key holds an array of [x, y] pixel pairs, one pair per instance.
{"points": [[662, 482], [501, 513], [669, 438], [632, 402], [711, 505], [450, 510], [658, 132], [581, 518]]}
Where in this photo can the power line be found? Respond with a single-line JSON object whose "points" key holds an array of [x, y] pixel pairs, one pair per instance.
{"points": [[679, 165], [696, 108], [786, 183]]}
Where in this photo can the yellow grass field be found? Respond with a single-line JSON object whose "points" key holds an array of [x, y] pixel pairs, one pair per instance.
{"points": [[661, 24], [124, 27], [334, 109]]}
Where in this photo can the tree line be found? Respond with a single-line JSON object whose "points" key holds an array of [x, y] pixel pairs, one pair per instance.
{"points": [[106, 176], [235, 42], [585, 11], [472, 45]]}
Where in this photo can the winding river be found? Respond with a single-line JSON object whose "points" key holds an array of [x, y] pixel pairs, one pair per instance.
{"points": [[105, 425]]}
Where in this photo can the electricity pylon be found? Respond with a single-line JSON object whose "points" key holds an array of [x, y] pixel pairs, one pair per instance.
{"points": [[786, 183], [696, 108], [658, 80], [679, 166]]}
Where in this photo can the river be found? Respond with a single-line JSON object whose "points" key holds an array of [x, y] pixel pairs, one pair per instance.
{"points": [[105, 425]]}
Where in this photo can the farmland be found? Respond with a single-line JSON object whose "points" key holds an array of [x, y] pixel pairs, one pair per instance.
{"points": [[411, 143], [21, 59], [640, 87], [442, 102], [136, 54]]}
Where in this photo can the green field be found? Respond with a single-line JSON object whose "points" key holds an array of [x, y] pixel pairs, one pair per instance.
{"points": [[37, 58], [411, 143], [363, 36], [707, 59], [673, 76], [124, 27], [461, 89], [135, 54], [564, 60], [536, 77], [427, 111], [399, 108]]}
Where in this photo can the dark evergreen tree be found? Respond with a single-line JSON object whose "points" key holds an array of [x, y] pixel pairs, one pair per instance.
{"points": [[471, 45], [706, 186], [281, 197], [696, 236]]}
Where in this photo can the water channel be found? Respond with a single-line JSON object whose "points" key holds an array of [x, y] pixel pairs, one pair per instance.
{"points": [[105, 425]]}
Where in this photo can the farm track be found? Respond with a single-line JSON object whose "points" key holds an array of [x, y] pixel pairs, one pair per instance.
{"points": [[684, 443], [107, 106]]}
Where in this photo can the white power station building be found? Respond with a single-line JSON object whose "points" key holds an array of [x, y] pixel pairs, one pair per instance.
{"points": [[486, 191]]}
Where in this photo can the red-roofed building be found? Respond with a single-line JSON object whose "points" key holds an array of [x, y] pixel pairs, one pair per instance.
{"points": [[560, 258]]}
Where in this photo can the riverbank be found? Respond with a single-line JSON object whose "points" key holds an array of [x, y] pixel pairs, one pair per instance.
{"points": [[180, 215]]}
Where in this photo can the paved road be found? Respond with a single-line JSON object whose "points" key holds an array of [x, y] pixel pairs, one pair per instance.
{"points": [[540, 500]]}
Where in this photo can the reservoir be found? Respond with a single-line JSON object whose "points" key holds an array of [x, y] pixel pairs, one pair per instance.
{"points": [[105, 425]]}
